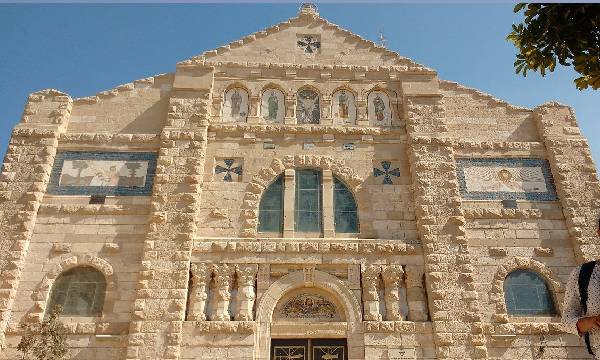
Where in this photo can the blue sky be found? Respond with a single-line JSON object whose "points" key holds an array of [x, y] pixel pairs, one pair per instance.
{"points": [[84, 49]]}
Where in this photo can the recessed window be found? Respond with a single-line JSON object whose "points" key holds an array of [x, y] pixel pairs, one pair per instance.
{"points": [[526, 293], [346, 214], [308, 205], [271, 208], [80, 292]]}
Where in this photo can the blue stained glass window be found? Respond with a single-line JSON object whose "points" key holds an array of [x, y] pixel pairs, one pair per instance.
{"points": [[80, 292], [526, 293], [270, 218], [346, 214], [308, 206]]}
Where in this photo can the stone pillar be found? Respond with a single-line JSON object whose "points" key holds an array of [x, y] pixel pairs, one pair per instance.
{"points": [[157, 319], [25, 176], [370, 292], [289, 189], [253, 105], [328, 219], [392, 281], [362, 116], [198, 292], [452, 296], [290, 109], [574, 176], [246, 295], [415, 294], [326, 118], [221, 296]]}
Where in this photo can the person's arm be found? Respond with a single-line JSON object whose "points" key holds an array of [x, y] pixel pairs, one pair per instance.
{"points": [[572, 310]]}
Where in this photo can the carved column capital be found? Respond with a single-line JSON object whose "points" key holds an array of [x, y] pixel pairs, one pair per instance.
{"points": [[392, 280], [392, 274], [223, 277], [370, 291], [198, 295], [246, 294]]}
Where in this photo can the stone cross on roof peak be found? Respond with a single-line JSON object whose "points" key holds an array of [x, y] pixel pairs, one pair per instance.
{"points": [[308, 8]]}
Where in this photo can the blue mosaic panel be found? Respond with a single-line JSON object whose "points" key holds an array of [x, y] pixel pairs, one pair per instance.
{"points": [[102, 173], [505, 179], [386, 172]]}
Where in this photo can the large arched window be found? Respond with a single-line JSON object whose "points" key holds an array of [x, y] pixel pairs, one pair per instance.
{"points": [[344, 207], [270, 218], [309, 191], [526, 293], [80, 291]]}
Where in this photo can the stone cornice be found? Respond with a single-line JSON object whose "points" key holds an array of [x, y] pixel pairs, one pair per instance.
{"points": [[304, 129], [85, 209], [320, 246]]}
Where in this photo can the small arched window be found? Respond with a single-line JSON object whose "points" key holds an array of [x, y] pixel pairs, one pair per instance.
{"points": [[270, 217], [527, 293], [80, 291], [308, 109], [344, 206]]}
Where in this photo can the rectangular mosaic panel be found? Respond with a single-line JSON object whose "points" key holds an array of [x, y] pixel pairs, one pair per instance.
{"points": [[102, 173], [505, 179]]}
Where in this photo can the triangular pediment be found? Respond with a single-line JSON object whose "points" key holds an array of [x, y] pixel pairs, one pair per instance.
{"points": [[279, 45]]}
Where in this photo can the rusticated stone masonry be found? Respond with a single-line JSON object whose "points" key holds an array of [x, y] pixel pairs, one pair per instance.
{"points": [[448, 265], [574, 174], [159, 309], [25, 175]]}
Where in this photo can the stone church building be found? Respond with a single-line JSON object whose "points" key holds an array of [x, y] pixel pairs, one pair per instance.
{"points": [[301, 193]]}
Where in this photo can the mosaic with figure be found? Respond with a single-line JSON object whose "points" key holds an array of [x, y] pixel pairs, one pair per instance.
{"points": [[379, 111], [102, 173], [272, 107], [308, 110], [344, 108], [235, 108], [304, 306], [505, 179]]}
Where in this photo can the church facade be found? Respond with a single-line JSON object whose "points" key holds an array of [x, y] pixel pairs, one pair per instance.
{"points": [[301, 193]]}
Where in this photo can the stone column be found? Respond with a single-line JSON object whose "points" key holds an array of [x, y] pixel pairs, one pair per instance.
{"points": [[362, 117], [415, 294], [198, 292], [290, 109], [370, 292], [328, 215], [289, 188], [25, 176], [441, 227], [392, 281], [246, 295], [221, 296], [253, 105], [326, 118], [574, 175]]}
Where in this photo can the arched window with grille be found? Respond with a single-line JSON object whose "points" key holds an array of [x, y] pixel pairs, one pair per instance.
{"points": [[344, 207], [79, 291], [527, 293], [270, 216]]}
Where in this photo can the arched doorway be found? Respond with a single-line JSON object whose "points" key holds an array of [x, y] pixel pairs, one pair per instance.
{"points": [[309, 316]]}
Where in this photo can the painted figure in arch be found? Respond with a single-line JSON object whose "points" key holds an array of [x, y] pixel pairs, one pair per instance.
{"points": [[379, 106], [273, 107], [343, 105], [236, 102], [308, 111]]}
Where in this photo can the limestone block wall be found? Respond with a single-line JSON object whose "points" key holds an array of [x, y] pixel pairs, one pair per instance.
{"points": [[135, 108]]}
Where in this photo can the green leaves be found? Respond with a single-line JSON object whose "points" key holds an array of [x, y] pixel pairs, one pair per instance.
{"points": [[565, 33], [46, 340]]}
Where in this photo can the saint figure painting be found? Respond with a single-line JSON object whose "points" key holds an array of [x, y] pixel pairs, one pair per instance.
{"points": [[307, 107]]}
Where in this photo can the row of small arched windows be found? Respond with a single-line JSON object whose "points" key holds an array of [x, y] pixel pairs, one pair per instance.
{"points": [[81, 291], [308, 107]]}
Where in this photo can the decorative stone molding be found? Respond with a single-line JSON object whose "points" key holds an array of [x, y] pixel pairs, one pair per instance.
{"points": [[393, 278], [349, 246], [200, 274], [226, 327], [85, 209], [303, 129], [246, 295], [503, 213], [516, 263], [103, 139], [370, 292], [266, 176], [402, 327], [64, 263]]}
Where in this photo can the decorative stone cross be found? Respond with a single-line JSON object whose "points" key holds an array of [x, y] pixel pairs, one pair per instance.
{"points": [[228, 169], [387, 172], [309, 44]]}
